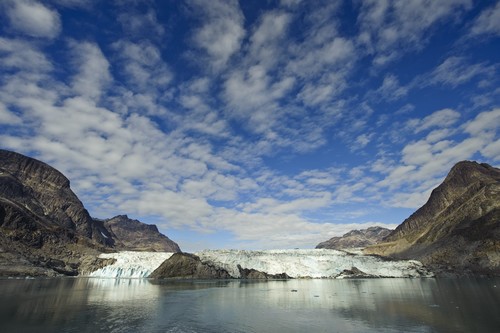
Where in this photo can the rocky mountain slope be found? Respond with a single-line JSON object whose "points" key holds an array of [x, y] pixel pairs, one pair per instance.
{"points": [[133, 235], [44, 227], [40, 196], [356, 238], [458, 229]]}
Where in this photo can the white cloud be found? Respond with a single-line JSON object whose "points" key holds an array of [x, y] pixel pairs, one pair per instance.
{"points": [[492, 150], [390, 28], [484, 123], [324, 91], [265, 231], [361, 141], [321, 58], [391, 88], [276, 207], [197, 99], [22, 55], [455, 71], [337, 52], [411, 200], [33, 18], [138, 24], [440, 119], [265, 40], [253, 95], [7, 117], [488, 22], [221, 32], [143, 66], [92, 75]]}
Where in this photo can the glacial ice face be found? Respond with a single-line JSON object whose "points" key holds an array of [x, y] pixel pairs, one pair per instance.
{"points": [[131, 264], [314, 263], [317, 263]]}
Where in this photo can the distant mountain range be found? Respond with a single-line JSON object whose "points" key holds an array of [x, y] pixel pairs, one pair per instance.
{"points": [[356, 238], [458, 229], [45, 229]]}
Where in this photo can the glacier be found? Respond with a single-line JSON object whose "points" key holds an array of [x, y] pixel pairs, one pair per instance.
{"points": [[131, 264], [313, 263], [307, 263]]}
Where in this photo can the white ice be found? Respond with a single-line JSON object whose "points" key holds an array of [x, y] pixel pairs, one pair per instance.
{"points": [[314, 263], [131, 264], [317, 263]]}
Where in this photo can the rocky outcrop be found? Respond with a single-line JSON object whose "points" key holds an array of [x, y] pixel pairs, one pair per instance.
{"points": [[133, 235], [188, 266], [253, 274], [356, 238], [458, 229], [354, 273]]}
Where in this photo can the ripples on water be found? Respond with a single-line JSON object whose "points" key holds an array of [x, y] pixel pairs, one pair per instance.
{"points": [[135, 305]]}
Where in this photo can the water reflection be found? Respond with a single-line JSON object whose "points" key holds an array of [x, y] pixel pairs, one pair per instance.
{"points": [[135, 305]]}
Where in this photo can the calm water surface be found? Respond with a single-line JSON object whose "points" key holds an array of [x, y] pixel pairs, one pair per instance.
{"points": [[371, 305]]}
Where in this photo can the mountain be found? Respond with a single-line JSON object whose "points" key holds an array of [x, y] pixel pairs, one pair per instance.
{"points": [[46, 230], [355, 238], [458, 229], [35, 196], [133, 235]]}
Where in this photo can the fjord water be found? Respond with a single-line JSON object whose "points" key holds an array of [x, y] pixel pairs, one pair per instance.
{"points": [[140, 305]]}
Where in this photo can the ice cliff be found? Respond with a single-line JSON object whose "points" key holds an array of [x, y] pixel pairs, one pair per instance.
{"points": [[130, 264], [317, 263]]}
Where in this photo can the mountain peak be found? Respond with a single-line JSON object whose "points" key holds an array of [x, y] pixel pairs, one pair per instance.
{"points": [[135, 235], [356, 238], [464, 172], [459, 226]]}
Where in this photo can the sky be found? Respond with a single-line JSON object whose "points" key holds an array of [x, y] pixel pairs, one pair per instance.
{"points": [[252, 124]]}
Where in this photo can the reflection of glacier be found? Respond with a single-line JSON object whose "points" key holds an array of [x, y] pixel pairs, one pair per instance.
{"points": [[121, 290], [315, 263], [131, 264]]}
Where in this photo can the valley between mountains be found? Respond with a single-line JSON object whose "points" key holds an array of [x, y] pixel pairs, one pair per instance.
{"points": [[45, 230]]}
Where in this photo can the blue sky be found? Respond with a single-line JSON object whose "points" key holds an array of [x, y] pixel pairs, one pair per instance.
{"points": [[252, 124]]}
